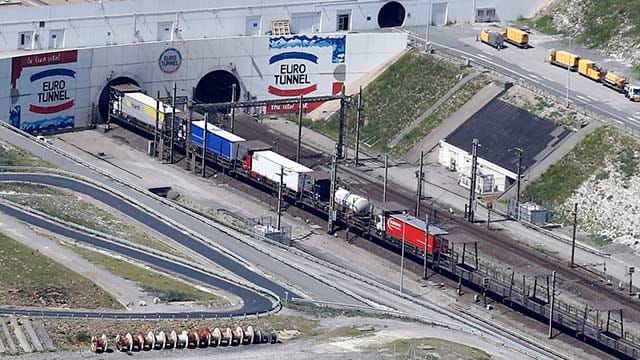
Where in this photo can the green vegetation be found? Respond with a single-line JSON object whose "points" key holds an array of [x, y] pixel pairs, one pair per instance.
{"points": [[543, 23], [436, 348], [31, 279], [600, 20], [67, 206], [589, 157], [12, 156], [397, 97], [158, 285], [437, 117], [636, 70]]}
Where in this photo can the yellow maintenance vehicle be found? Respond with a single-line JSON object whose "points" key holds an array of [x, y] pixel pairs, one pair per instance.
{"points": [[516, 37], [563, 59], [616, 82], [493, 38], [589, 69]]}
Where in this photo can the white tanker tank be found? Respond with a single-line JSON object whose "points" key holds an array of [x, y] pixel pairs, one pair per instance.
{"points": [[355, 203]]}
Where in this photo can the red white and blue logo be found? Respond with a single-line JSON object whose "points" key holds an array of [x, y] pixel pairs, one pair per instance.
{"points": [[291, 77], [53, 95]]}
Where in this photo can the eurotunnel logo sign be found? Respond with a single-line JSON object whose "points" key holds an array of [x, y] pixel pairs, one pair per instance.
{"points": [[43, 91], [292, 76], [170, 61], [305, 65]]}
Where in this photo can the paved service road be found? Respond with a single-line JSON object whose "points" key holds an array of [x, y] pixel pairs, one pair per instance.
{"points": [[152, 222], [298, 282], [528, 65], [252, 301]]}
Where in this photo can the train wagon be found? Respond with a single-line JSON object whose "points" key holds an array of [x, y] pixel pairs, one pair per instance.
{"points": [[220, 143], [563, 59], [616, 82], [492, 38], [268, 165], [143, 108], [412, 231], [516, 37], [589, 69]]}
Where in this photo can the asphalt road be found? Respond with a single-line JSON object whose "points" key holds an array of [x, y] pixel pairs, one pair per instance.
{"points": [[528, 65], [152, 222], [296, 281], [252, 301]]}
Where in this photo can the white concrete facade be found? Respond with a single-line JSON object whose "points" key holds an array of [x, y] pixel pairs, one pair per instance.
{"points": [[136, 21], [454, 158], [54, 91]]}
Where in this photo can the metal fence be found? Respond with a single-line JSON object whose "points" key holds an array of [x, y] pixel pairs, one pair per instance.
{"points": [[263, 226]]}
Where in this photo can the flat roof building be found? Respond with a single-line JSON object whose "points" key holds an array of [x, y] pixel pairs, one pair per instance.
{"points": [[501, 129]]}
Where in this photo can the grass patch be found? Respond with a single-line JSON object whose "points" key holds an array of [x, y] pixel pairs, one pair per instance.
{"points": [[600, 21], [12, 156], [636, 70], [545, 24], [436, 348], [589, 157], [438, 116], [399, 95], [158, 285], [31, 279], [66, 206], [600, 240]]}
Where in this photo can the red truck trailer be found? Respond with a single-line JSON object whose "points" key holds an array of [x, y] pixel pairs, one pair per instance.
{"points": [[412, 231]]}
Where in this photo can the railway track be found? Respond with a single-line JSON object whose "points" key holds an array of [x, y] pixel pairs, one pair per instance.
{"points": [[501, 246], [495, 245]]}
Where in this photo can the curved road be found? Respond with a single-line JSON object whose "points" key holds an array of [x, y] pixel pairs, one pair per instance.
{"points": [[253, 302]]}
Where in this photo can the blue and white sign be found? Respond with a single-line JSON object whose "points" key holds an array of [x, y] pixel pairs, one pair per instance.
{"points": [[170, 61]]}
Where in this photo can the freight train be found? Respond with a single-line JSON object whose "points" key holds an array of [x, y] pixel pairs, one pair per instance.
{"points": [[591, 70], [256, 163]]}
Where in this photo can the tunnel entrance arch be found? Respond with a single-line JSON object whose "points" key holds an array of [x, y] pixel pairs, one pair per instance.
{"points": [[391, 14], [216, 87], [103, 101]]}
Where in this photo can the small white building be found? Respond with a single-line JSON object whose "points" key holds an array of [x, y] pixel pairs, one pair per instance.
{"points": [[502, 131]]}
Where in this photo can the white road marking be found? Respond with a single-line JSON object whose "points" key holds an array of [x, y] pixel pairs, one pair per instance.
{"points": [[528, 70], [483, 57], [612, 115], [486, 52], [592, 98], [534, 76], [582, 97]]}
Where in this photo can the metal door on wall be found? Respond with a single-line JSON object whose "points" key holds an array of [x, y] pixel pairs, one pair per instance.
{"points": [[164, 31], [439, 13], [253, 26], [305, 22], [56, 39]]}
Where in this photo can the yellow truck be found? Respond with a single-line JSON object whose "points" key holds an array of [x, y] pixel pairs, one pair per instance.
{"points": [[616, 82], [563, 59], [589, 69], [493, 38], [516, 37]]}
